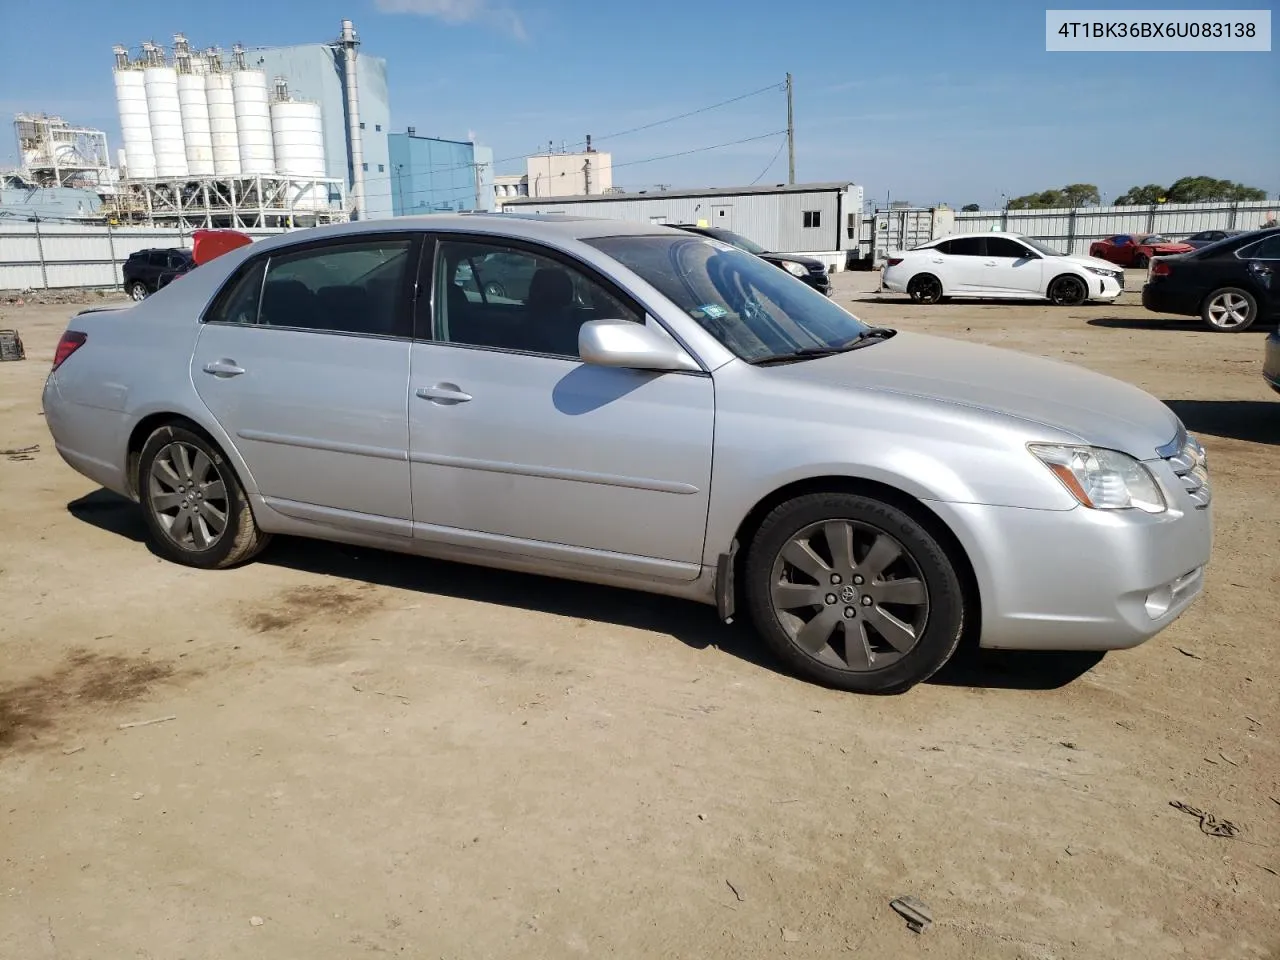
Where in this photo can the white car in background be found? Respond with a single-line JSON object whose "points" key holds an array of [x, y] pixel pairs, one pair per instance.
{"points": [[999, 265]]}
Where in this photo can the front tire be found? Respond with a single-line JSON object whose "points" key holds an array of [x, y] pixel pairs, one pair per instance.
{"points": [[137, 291], [1229, 310], [1068, 291], [925, 288], [1140, 261], [194, 506], [853, 593]]}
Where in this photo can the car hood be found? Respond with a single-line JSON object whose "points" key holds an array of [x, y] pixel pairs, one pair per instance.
{"points": [[1097, 409], [791, 258], [1083, 261]]}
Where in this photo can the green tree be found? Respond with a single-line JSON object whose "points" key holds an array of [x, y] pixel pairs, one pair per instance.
{"points": [[1141, 196], [1200, 189], [1038, 201], [970, 208], [1081, 195]]}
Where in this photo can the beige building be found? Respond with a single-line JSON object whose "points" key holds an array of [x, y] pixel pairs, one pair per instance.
{"points": [[589, 173]]}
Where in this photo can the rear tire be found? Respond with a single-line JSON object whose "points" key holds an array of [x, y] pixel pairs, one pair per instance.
{"points": [[924, 288], [853, 593], [137, 291], [1229, 310], [1068, 291], [195, 509]]}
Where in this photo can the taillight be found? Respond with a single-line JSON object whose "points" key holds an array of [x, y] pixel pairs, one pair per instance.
{"points": [[72, 340], [893, 261], [1160, 269]]}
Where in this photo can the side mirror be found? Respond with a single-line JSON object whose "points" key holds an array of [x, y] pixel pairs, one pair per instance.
{"points": [[621, 343]]}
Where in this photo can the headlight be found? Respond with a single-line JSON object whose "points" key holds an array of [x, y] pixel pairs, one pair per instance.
{"points": [[1103, 273], [1102, 479], [796, 269]]}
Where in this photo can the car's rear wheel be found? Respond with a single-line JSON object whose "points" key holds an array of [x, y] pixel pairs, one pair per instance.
{"points": [[925, 288], [194, 506], [137, 291], [1068, 291], [1230, 310], [853, 593]]}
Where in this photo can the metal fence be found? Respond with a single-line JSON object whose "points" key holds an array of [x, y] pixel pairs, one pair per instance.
{"points": [[1072, 230], [46, 256]]}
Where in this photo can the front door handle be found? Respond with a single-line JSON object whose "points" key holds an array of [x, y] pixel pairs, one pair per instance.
{"points": [[223, 368], [444, 393]]}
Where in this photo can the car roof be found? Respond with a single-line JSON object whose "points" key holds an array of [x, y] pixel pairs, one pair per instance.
{"points": [[524, 226]]}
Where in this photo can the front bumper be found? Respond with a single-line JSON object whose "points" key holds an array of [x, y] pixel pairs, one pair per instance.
{"points": [[1106, 288], [1271, 361], [820, 282], [1083, 579]]}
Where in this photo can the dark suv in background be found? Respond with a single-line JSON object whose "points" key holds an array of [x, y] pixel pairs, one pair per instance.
{"points": [[811, 271], [147, 271]]}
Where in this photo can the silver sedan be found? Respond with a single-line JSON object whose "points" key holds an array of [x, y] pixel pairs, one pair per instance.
{"points": [[633, 405]]}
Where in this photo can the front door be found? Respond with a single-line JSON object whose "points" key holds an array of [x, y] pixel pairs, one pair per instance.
{"points": [[307, 371], [722, 216], [518, 446], [1010, 269]]}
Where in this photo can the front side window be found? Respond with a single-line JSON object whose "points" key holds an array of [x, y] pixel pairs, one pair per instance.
{"points": [[1043, 248], [1004, 247], [509, 298], [754, 309]]}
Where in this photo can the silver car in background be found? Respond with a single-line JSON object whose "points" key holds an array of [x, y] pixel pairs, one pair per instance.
{"points": [[647, 408]]}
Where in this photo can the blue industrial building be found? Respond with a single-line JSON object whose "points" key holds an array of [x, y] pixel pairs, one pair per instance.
{"points": [[315, 72], [429, 175]]}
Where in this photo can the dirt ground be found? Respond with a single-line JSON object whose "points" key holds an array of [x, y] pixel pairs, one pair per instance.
{"points": [[371, 754]]}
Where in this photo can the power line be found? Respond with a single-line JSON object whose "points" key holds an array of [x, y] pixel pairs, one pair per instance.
{"points": [[781, 144], [691, 113]]}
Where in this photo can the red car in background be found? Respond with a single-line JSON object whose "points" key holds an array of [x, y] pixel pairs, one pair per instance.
{"points": [[1136, 249]]}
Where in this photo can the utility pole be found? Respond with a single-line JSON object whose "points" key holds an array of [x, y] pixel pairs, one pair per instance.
{"points": [[791, 137]]}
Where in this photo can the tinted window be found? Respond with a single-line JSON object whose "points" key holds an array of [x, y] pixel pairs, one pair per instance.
{"points": [[238, 302], [967, 246], [158, 258], [751, 307], [1004, 247], [348, 288], [178, 260], [1121, 240], [1268, 249], [489, 295], [943, 247]]}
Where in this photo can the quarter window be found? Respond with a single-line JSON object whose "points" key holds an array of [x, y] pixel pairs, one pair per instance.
{"points": [[812, 218], [488, 295]]}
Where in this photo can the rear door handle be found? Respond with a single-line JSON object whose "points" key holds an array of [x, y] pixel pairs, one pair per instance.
{"points": [[989, 263], [223, 368], [443, 393], [937, 259]]}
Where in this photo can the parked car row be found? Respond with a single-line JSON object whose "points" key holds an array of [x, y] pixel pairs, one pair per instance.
{"points": [[651, 409]]}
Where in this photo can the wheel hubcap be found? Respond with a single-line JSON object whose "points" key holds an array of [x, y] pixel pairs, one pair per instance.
{"points": [[875, 615], [188, 496], [1228, 310], [139, 293]]}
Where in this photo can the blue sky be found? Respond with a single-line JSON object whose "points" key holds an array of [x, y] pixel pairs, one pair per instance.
{"points": [[920, 100]]}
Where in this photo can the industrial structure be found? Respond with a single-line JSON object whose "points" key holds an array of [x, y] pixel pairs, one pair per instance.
{"points": [[821, 220], [558, 174], [430, 175], [266, 138], [53, 153]]}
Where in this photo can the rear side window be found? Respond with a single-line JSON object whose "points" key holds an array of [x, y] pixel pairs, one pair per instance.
{"points": [[344, 288], [238, 301], [966, 246], [1268, 249], [158, 259]]}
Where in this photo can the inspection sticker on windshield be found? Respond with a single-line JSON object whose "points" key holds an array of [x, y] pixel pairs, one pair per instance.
{"points": [[713, 310]]}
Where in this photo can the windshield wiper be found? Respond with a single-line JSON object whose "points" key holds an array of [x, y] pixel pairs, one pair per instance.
{"points": [[864, 339]]}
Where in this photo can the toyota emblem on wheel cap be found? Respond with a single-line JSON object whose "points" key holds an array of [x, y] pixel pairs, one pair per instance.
{"points": [[848, 594]]}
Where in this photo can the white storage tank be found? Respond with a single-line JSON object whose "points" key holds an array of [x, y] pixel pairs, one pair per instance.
{"points": [[195, 124], [222, 124], [253, 121], [135, 123], [298, 137], [165, 112]]}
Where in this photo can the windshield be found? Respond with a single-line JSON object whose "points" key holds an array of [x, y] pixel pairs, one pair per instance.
{"points": [[738, 240], [1043, 248], [756, 310], [1156, 238]]}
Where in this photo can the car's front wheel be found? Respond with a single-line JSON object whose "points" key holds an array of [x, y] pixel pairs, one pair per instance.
{"points": [[1068, 291], [853, 593], [1230, 310], [1140, 261], [925, 288], [194, 506], [137, 291]]}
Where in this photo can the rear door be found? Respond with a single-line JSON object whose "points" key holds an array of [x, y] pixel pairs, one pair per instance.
{"points": [[304, 361], [1263, 264], [958, 262]]}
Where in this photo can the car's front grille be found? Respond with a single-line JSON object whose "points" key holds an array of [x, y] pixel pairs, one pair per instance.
{"points": [[1191, 467]]}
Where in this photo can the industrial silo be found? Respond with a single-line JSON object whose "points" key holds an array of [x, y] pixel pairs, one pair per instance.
{"points": [[165, 113], [135, 124], [194, 104], [222, 117], [253, 117], [298, 137]]}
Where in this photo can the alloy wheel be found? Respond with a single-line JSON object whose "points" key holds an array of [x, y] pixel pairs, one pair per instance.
{"points": [[926, 289], [137, 293], [849, 595], [188, 496], [1227, 311], [1068, 292]]}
